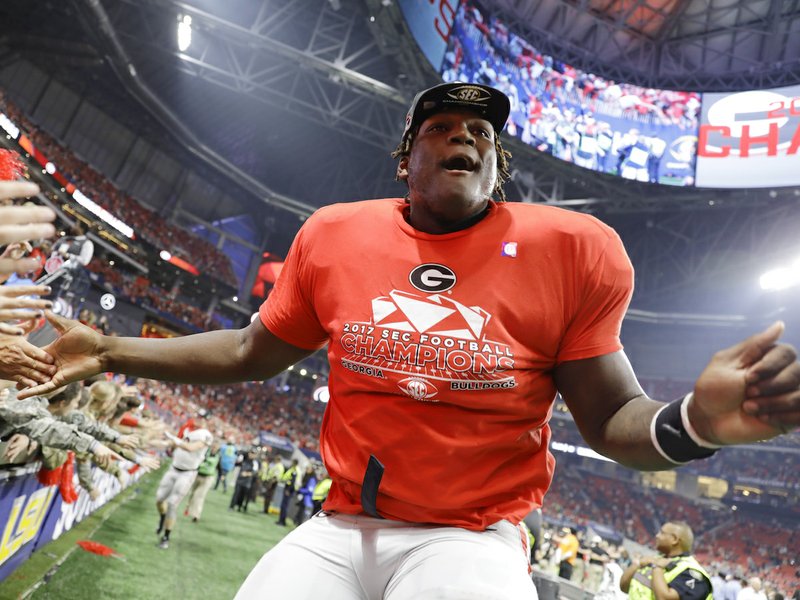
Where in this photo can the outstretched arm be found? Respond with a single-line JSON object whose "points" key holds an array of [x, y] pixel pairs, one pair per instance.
{"points": [[748, 392], [214, 357]]}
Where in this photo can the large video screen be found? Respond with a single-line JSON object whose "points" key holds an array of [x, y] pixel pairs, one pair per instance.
{"points": [[638, 133], [750, 139]]}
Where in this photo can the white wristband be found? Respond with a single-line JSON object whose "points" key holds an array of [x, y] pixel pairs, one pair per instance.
{"points": [[688, 426]]}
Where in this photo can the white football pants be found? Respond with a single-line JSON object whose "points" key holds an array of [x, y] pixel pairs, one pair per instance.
{"points": [[346, 557]]}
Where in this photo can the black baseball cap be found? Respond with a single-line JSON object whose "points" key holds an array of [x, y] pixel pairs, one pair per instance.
{"points": [[490, 103]]}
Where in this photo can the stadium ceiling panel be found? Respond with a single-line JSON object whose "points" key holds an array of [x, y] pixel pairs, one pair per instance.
{"points": [[702, 45]]}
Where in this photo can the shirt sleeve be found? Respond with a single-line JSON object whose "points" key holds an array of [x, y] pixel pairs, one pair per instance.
{"points": [[288, 311], [47, 431], [89, 426], [605, 295], [691, 585]]}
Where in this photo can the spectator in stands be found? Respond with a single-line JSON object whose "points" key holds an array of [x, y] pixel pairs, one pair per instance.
{"points": [[717, 582], [732, 587], [609, 587], [674, 574], [20, 360], [752, 590], [36, 417]]}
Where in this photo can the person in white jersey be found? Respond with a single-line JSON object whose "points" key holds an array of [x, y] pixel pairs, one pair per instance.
{"points": [[174, 485]]}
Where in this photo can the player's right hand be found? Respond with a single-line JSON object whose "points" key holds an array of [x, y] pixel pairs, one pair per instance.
{"points": [[76, 353]]}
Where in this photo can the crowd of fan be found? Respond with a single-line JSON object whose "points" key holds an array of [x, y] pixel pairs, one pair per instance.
{"points": [[75, 428], [727, 541], [140, 291], [240, 411], [146, 223], [510, 59], [246, 409]]}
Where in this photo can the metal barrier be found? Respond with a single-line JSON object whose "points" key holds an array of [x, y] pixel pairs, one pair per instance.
{"points": [[551, 587]]}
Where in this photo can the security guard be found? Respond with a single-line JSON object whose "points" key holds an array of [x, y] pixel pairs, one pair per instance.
{"points": [[674, 575]]}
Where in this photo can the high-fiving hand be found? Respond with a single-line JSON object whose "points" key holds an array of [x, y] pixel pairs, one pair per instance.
{"points": [[76, 353], [15, 306], [21, 223], [748, 392]]}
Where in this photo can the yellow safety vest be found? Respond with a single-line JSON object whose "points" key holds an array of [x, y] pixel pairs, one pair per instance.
{"points": [[321, 490], [642, 582], [288, 475]]}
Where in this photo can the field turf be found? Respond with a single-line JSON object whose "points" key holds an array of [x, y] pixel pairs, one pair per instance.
{"points": [[207, 560]]}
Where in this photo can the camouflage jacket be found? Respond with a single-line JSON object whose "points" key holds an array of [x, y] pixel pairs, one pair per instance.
{"points": [[31, 417]]}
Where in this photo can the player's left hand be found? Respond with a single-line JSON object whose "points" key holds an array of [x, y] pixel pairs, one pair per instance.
{"points": [[748, 392]]}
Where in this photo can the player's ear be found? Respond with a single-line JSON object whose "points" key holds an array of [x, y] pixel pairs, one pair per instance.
{"points": [[402, 169]]}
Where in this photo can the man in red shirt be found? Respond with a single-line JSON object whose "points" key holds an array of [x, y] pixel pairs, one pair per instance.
{"points": [[452, 319]]}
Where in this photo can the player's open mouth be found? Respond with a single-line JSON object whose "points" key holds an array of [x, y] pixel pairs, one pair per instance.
{"points": [[459, 164]]}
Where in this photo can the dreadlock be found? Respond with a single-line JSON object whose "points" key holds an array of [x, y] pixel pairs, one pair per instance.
{"points": [[503, 172]]}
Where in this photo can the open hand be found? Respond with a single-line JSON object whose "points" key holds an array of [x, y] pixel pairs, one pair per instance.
{"points": [[748, 392], [24, 363], [148, 462], [76, 355], [129, 441], [17, 444], [20, 223], [13, 306], [103, 454]]}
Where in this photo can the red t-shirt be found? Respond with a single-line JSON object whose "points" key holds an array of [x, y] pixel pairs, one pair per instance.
{"points": [[441, 348]]}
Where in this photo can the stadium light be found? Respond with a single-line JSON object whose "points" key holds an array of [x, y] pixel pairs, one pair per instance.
{"points": [[184, 32], [780, 278]]}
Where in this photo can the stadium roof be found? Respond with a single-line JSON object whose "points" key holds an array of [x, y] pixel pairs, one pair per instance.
{"points": [[698, 45]]}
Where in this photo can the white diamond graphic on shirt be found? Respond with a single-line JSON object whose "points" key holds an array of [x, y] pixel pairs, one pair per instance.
{"points": [[436, 314], [421, 313], [382, 308], [475, 317]]}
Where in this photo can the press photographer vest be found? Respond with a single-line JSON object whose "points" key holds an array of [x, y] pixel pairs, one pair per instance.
{"points": [[642, 582]]}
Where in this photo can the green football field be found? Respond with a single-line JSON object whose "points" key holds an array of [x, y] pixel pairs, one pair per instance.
{"points": [[206, 560]]}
